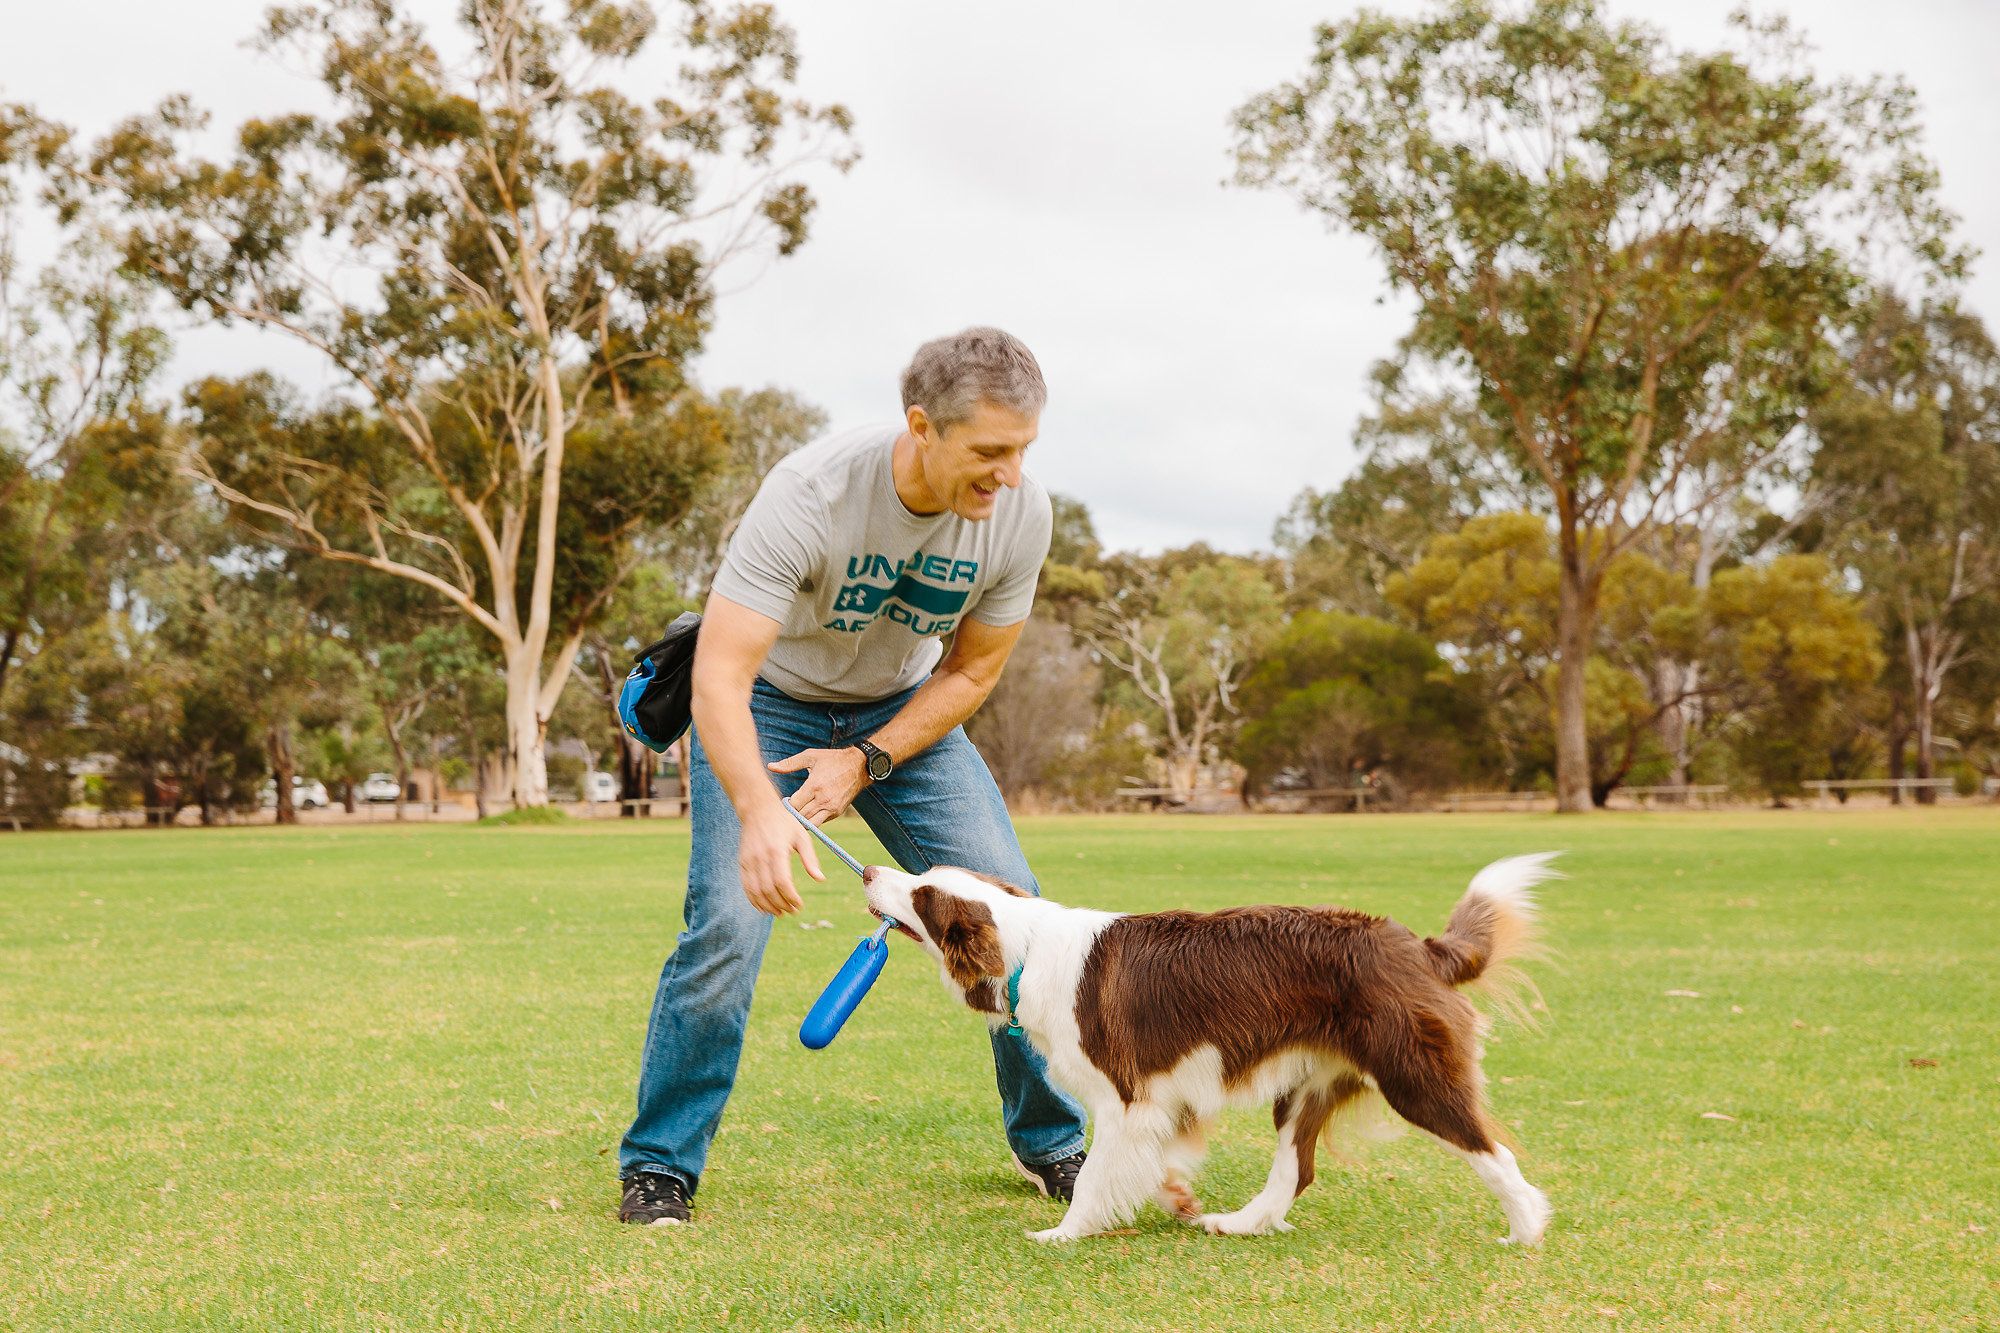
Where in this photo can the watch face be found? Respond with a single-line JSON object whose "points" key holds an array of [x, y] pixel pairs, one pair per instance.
{"points": [[879, 765]]}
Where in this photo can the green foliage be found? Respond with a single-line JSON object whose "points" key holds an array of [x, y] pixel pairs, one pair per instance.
{"points": [[1633, 255], [1904, 493], [1491, 592], [1073, 536], [527, 816], [1790, 640], [83, 470], [1337, 696], [1182, 628], [541, 253], [565, 774], [1087, 776], [1427, 467]]}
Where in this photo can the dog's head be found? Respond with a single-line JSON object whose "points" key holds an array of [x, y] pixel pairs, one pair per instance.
{"points": [[957, 915]]}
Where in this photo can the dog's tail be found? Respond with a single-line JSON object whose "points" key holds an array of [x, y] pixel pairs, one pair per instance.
{"points": [[1492, 930]]}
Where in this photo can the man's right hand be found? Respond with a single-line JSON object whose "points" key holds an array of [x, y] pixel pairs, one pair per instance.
{"points": [[770, 839]]}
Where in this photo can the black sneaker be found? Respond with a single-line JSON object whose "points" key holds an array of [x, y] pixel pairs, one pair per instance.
{"points": [[1056, 1180], [654, 1199]]}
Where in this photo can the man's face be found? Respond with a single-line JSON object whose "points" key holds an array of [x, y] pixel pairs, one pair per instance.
{"points": [[966, 464]]}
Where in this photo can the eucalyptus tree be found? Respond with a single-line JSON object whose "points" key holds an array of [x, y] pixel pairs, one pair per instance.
{"points": [[506, 257], [1635, 255], [1429, 463], [759, 428], [1787, 642], [79, 443], [1181, 630], [1906, 481]]}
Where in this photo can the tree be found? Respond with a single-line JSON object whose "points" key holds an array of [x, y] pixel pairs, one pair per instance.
{"points": [[407, 641], [543, 251], [1490, 591], [1907, 475], [1635, 255], [637, 616], [292, 674], [169, 697], [1427, 466], [1072, 535], [1043, 707], [1788, 642], [1183, 628], [759, 429], [1338, 696], [80, 449]]}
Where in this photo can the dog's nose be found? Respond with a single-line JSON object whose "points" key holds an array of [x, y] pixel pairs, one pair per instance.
{"points": [[868, 874]]}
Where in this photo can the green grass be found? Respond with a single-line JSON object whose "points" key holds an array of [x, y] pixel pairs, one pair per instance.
{"points": [[374, 1078], [528, 816]]}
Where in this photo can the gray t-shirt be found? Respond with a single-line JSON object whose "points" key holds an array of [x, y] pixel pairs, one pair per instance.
{"points": [[864, 588]]}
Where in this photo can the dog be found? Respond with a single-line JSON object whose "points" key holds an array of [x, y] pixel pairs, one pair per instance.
{"points": [[1158, 1021]]}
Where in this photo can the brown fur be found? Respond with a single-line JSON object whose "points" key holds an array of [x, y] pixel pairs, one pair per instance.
{"points": [[965, 934], [1480, 947], [1257, 982], [1309, 1114]]}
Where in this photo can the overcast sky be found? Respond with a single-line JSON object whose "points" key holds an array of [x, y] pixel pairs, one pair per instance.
{"points": [[1056, 169]]}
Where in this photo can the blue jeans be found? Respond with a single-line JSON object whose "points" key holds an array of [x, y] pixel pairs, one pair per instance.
{"points": [[940, 807]]}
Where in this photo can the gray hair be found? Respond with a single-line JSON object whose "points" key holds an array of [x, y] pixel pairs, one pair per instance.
{"points": [[949, 375]]}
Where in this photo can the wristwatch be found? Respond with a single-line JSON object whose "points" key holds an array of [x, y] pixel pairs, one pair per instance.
{"points": [[880, 765]]}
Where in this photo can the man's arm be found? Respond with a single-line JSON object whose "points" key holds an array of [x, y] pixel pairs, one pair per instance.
{"points": [[733, 644], [953, 693]]}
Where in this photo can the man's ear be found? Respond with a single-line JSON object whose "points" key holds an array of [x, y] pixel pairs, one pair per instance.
{"points": [[964, 933]]}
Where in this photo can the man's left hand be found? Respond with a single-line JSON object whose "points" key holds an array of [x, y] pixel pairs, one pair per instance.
{"points": [[834, 779]]}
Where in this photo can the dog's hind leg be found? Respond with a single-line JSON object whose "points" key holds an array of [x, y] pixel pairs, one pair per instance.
{"points": [[1439, 1091], [1126, 1166], [1528, 1210], [1300, 1116]]}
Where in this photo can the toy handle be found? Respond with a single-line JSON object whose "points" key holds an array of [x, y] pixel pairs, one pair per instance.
{"points": [[844, 992]]}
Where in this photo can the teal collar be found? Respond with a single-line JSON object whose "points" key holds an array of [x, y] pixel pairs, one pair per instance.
{"points": [[1014, 1001]]}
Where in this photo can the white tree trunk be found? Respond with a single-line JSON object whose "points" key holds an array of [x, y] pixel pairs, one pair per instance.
{"points": [[527, 764], [1183, 771]]}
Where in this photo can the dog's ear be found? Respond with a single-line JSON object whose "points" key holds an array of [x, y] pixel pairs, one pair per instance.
{"points": [[964, 933]]}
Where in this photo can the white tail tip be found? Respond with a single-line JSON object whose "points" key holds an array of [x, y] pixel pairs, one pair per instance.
{"points": [[1510, 880]]}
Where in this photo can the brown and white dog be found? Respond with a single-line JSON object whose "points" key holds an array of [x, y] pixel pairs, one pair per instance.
{"points": [[1156, 1022]]}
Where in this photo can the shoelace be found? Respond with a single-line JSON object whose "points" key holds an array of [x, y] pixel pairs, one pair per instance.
{"points": [[1066, 1169], [658, 1187]]}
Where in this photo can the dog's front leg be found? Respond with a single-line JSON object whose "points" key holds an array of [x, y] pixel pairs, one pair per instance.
{"points": [[1123, 1170]]}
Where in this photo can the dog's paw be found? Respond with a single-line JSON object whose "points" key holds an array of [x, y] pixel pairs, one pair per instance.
{"points": [[1053, 1236], [1527, 1229], [1179, 1203], [1241, 1223], [1528, 1219]]}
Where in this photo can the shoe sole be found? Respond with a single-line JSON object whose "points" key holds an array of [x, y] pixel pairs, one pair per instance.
{"points": [[656, 1222], [1041, 1186]]}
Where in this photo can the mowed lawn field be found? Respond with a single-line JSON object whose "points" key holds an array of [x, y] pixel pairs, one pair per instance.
{"points": [[375, 1079]]}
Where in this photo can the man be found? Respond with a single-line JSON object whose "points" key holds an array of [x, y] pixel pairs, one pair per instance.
{"points": [[820, 673]]}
